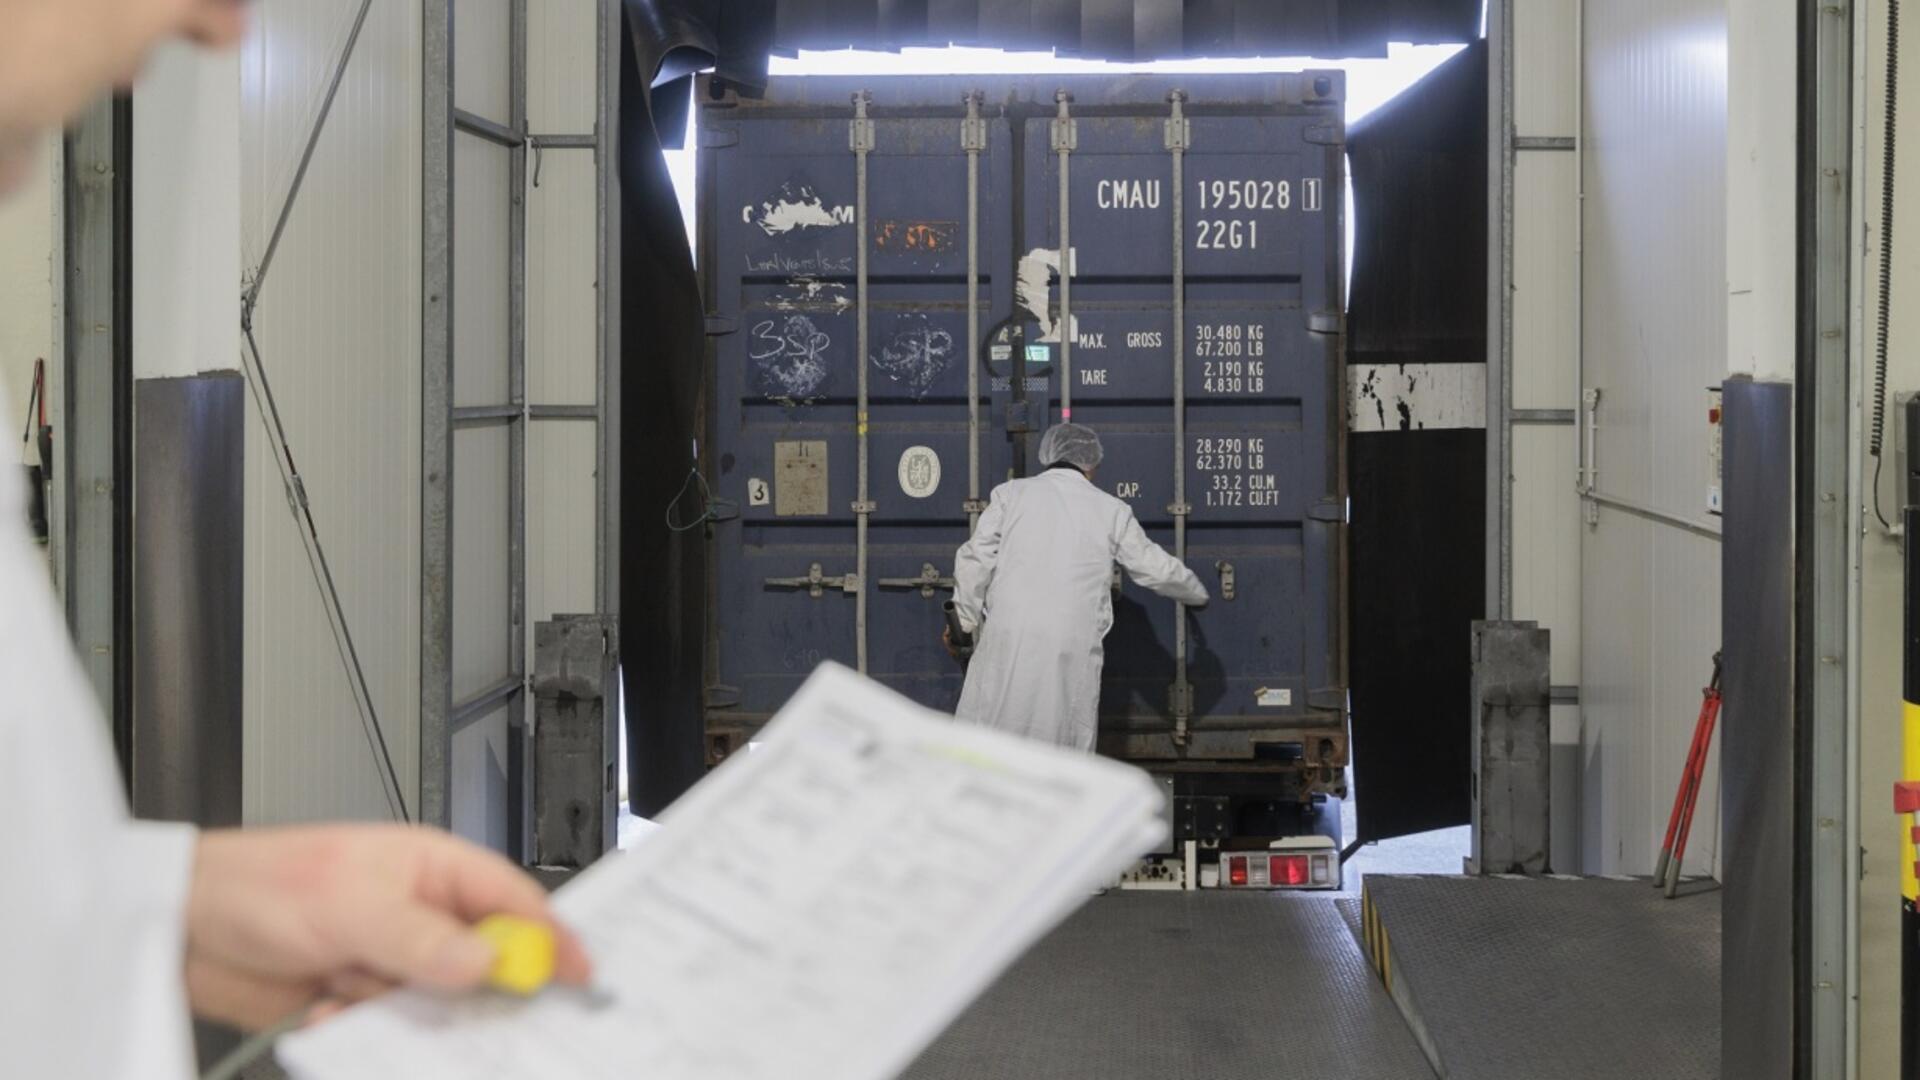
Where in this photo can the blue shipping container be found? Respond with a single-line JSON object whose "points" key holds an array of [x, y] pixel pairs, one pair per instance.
{"points": [[1258, 392]]}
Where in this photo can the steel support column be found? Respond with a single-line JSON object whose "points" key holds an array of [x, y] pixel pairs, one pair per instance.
{"points": [[436, 413], [1499, 375], [1824, 725], [98, 390]]}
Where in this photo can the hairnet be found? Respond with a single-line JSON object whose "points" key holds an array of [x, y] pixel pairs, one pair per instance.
{"points": [[1071, 443]]}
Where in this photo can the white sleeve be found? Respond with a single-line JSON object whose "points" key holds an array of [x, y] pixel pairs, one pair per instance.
{"points": [[95, 905], [973, 564], [1152, 567]]}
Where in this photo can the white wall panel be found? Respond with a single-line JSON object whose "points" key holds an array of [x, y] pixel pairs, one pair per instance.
{"points": [[186, 214], [1655, 244], [478, 800], [1762, 195], [562, 326], [561, 509], [339, 327], [562, 66], [1544, 60], [1546, 541], [481, 201], [563, 344], [1652, 604], [1654, 330], [482, 58], [482, 623], [1545, 285]]}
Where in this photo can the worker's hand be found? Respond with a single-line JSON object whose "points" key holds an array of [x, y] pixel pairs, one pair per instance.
{"points": [[278, 919]]}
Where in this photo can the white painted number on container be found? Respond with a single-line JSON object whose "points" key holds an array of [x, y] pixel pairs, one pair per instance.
{"points": [[1245, 194], [758, 494], [919, 471], [1236, 469], [1228, 235], [1231, 357], [1312, 197]]}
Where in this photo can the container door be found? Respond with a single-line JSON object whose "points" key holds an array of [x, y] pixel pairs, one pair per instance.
{"points": [[1250, 372], [782, 206], [1262, 499]]}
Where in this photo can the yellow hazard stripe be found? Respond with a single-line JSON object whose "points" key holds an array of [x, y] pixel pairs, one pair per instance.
{"points": [[1374, 932], [1910, 722]]}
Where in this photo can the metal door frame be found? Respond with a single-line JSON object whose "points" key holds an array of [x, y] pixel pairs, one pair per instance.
{"points": [[441, 717]]}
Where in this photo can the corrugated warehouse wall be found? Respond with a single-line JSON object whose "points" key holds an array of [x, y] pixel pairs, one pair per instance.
{"points": [[339, 329], [1653, 339]]}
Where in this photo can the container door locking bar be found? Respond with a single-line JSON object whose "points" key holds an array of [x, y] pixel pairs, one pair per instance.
{"points": [[973, 139], [860, 141], [1179, 136], [817, 582], [929, 580], [1066, 139]]}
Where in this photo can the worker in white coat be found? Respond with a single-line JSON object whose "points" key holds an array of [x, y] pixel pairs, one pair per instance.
{"points": [[1034, 587], [116, 928]]}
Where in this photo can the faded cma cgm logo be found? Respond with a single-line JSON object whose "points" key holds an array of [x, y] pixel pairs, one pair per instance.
{"points": [[796, 207]]}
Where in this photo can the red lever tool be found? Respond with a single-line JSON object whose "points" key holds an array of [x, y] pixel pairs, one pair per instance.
{"points": [[1673, 850]]}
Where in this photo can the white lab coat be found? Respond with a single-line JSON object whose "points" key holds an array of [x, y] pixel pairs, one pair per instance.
{"points": [[1034, 585], [91, 903]]}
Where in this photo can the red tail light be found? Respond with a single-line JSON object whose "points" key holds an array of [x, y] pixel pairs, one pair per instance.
{"points": [[1287, 869], [1237, 870]]}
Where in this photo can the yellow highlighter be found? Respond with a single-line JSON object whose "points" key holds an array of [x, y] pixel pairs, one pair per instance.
{"points": [[525, 950]]}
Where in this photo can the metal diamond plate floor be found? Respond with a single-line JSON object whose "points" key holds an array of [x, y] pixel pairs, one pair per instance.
{"points": [[1185, 986], [1576, 979]]}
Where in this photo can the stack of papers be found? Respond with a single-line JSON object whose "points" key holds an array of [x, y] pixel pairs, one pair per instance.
{"points": [[821, 907]]}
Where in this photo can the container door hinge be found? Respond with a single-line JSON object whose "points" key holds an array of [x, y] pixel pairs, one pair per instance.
{"points": [[721, 325], [1326, 322], [1178, 134], [1065, 131], [1180, 701], [860, 130], [722, 697], [1329, 510], [718, 138], [973, 130], [1326, 135]]}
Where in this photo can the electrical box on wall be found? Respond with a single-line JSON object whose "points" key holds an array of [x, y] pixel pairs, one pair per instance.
{"points": [[1893, 473], [1713, 450]]}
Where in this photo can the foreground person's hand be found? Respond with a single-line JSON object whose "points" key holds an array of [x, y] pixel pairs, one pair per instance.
{"points": [[280, 919]]}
